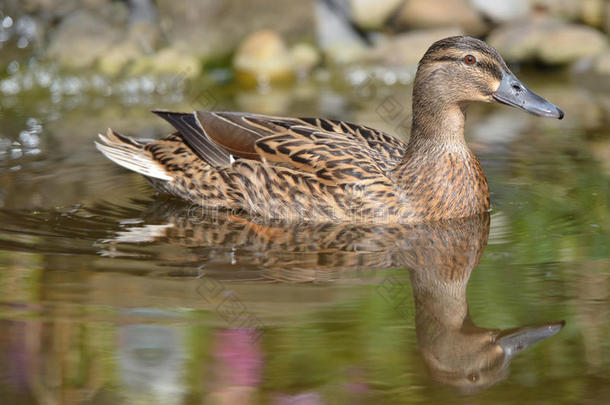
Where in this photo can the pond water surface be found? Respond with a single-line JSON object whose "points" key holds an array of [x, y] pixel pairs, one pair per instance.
{"points": [[111, 294]]}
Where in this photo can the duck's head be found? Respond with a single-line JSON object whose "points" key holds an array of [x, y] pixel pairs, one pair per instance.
{"points": [[473, 358], [458, 70]]}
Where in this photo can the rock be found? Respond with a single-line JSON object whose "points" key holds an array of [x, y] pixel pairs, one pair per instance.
{"points": [[141, 40], [594, 71], [592, 12], [112, 62], [142, 11], [304, 57], [48, 12], [263, 58], [564, 9], [569, 43], [606, 26], [80, 39], [336, 36], [408, 48], [168, 61], [372, 15], [441, 13], [601, 65], [500, 11], [143, 24], [144, 35], [595, 13], [110, 33], [549, 41], [520, 41], [209, 28]]}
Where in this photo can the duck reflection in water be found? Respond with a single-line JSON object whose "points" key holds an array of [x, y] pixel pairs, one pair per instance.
{"points": [[439, 256], [457, 351]]}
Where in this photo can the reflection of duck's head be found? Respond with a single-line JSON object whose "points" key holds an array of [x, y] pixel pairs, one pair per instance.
{"points": [[473, 358], [456, 351]]}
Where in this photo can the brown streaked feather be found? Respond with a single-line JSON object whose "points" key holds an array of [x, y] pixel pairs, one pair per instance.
{"points": [[333, 157], [337, 153], [390, 149], [242, 134]]}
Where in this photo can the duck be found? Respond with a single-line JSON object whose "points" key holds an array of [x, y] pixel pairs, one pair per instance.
{"points": [[325, 170]]}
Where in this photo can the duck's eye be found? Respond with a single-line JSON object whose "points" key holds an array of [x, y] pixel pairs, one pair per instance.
{"points": [[470, 60], [472, 377]]}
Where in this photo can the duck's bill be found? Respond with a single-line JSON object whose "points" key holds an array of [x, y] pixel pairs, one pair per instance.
{"points": [[512, 92], [515, 340]]}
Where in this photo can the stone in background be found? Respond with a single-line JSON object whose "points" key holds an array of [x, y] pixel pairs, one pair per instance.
{"points": [[441, 13], [138, 37], [212, 27], [549, 41]]}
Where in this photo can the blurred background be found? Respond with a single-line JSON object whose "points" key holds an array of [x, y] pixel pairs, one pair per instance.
{"points": [[114, 47], [281, 39], [104, 285]]}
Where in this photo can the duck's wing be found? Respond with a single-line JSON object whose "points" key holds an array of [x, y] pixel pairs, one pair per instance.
{"points": [[334, 158], [242, 134], [389, 149], [196, 138], [336, 152]]}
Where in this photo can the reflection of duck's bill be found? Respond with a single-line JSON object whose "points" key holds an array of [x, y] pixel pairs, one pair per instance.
{"points": [[515, 340], [512, 92]]}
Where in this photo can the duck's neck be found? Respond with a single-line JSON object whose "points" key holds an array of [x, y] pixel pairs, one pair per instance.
{"points": [[439, 176], [439, 304], [438, 123]]}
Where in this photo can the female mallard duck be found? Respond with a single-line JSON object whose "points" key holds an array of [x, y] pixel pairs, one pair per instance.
{"points": [[324, 170]]}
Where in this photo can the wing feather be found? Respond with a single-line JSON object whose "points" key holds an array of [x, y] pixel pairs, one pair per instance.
{"points": [[239, 134], [196, 138], [336, 152]]}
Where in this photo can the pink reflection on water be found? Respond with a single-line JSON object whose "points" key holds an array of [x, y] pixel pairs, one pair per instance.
{"points": [[237, 358]]}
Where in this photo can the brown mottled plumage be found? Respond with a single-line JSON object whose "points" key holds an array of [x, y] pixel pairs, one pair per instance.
{"points": [[323, 170]]}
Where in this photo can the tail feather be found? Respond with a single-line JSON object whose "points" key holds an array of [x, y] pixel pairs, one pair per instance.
{"points": [[130, 154]]}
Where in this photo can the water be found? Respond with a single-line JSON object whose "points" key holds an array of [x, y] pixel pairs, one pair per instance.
{"points": [[111, 294]]}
